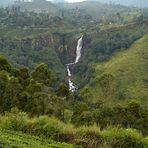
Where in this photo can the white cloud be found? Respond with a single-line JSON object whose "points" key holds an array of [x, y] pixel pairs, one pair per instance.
{"points": [[72, 1]]}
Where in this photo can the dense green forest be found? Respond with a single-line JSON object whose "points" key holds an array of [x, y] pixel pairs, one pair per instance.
{"points": [[109, 109]]}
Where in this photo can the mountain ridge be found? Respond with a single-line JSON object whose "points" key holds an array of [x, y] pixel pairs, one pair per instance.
{"points": [[136, 3]]}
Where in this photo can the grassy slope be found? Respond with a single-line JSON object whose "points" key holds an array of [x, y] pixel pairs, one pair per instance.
{"points": [[130, 71], [18, 139], [21, 133]]}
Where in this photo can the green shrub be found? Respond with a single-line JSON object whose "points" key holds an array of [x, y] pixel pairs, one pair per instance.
{"points": [[85, 136], [14, 120], [67, 133], [89, 137], [43, 126], [124, 138]]}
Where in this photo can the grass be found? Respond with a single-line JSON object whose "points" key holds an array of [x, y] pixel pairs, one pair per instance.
{"points": [[18, 130], [129, 69], [17, 139], [124, 138]]}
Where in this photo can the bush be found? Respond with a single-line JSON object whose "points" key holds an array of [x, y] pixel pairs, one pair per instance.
{"points": [[67, 133], [89, 137], [123, 138], [86, 136], [14, 120], [43, 126]]}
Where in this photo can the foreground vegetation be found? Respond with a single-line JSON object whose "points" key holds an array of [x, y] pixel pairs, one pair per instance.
{"points": [[17, 127], [9, 138], [37, 93]]}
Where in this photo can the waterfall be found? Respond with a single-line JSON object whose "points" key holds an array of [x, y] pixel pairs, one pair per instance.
{"points": [[78, 50], [68, 71], [73, 88]]}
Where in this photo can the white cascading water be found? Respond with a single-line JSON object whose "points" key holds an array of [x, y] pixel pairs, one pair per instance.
{"points": [[78, 50], [73, 88]]}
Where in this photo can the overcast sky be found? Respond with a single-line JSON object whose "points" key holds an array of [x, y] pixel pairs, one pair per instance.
{"points": [[72, 0]]}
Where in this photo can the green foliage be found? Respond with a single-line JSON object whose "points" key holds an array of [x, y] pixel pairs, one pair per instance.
{"points": [[132, 114], [102, 44], [22, 74], [89, 137], [124, 138], [4, 65], [12, 93], [29, 38], [17, 139], [35, 93], [63, 90], [104, 116], [82, 115], [129, 71], [51, 129], [42, 74], [14, 120], [3, 83], [43, 126]]}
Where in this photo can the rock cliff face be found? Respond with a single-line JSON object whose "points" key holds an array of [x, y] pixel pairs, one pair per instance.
{"points": [[55, 49], [42, 42], [64, 45]]}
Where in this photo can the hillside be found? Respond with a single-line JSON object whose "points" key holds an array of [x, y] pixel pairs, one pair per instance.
{"points": [[29, 38], [124, 76], [137, 3], [102, 44], [90, 10], [9, 138], [73, 75]]}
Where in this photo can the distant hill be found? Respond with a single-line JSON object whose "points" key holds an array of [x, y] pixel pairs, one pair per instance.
{"points": [[39, 6], [137, 3]]}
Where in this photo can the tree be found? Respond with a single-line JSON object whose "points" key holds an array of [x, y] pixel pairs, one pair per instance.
{"points": [[3, 83], [33, 87], [63, 90], [104, 116], [106, 81], [86, 94], [132, 112], [12, 93], [23, 75], [40, 103], [42, 74], [4, 65], [80, 113], [24, 100]]}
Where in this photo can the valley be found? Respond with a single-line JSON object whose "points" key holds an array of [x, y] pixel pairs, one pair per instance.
{"points": [[73, 75]]}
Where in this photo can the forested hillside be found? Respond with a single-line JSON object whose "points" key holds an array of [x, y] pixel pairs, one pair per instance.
{"points": [[124, 76], [100, 50], [134, 3]]}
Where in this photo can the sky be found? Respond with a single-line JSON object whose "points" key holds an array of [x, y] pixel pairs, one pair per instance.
{"points": [[72, 1], [6, 2]]}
